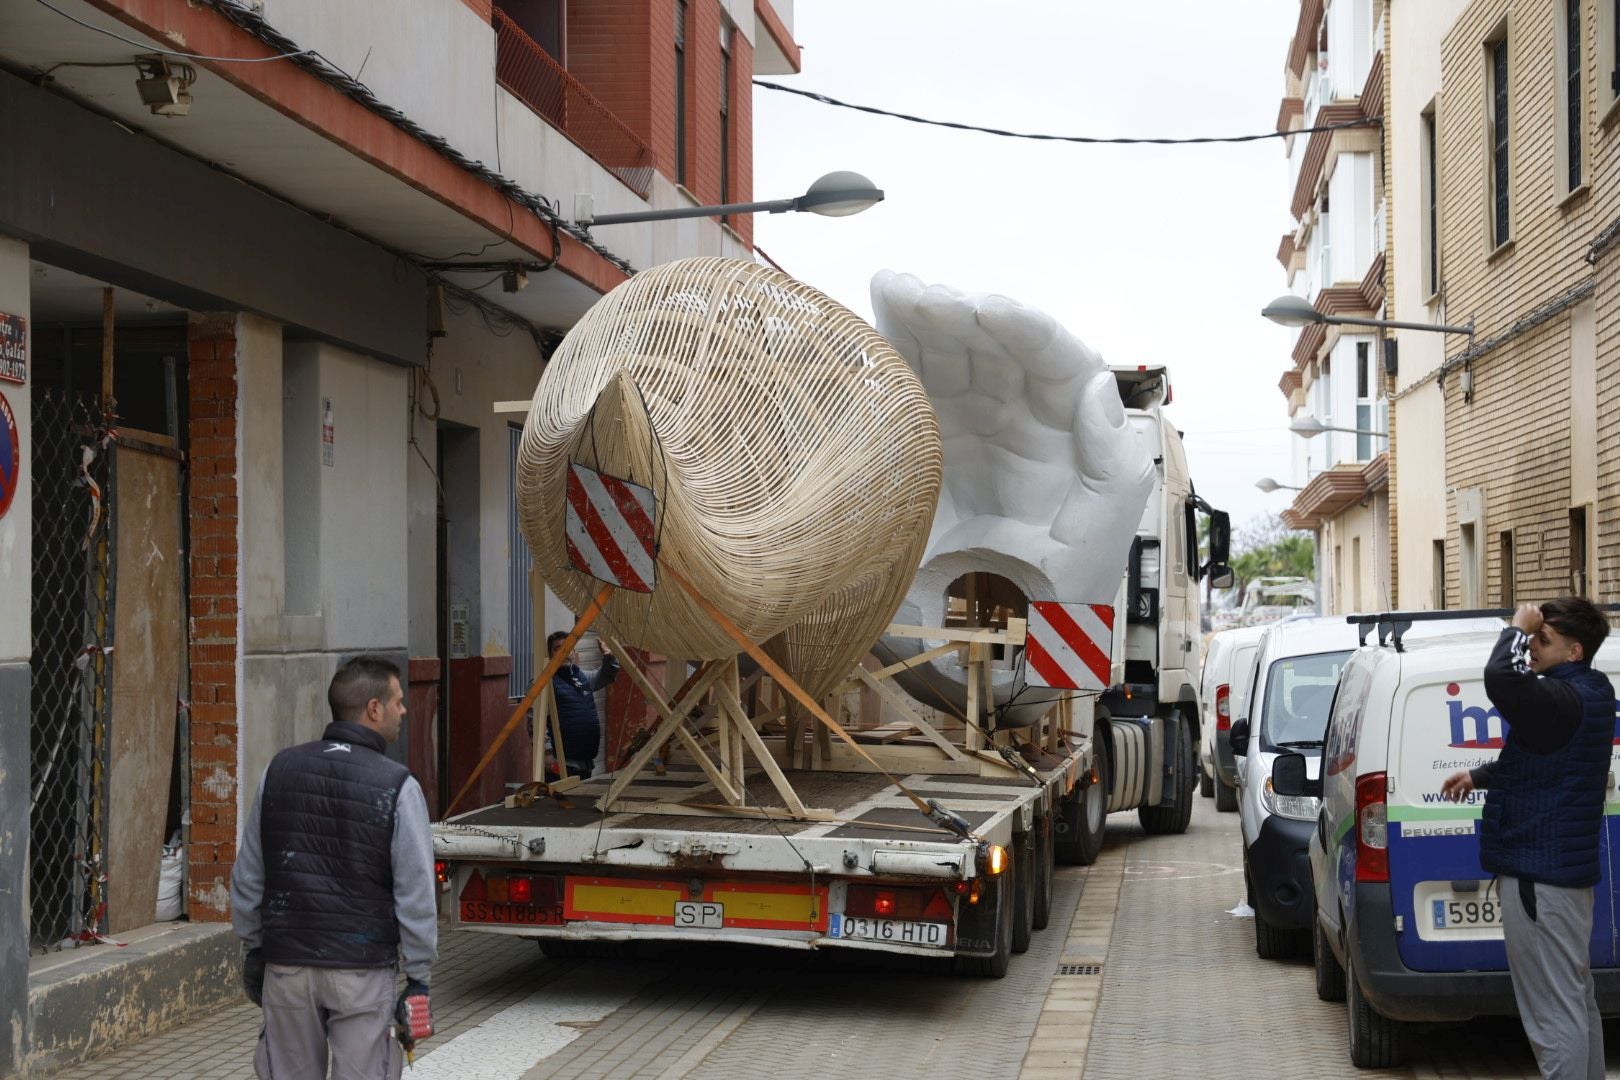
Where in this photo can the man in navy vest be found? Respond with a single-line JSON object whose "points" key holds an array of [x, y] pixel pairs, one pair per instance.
{"points": [[334, 880], [576, 706], [1543, 817]]}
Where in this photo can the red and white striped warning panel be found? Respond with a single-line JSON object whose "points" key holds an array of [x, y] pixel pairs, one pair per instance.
{"points": [[1069, 645], [609, 529]]}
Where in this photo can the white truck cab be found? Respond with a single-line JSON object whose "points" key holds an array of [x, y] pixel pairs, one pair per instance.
{"points": [[1407, 924]]}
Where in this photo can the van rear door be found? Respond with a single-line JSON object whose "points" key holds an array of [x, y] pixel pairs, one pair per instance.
{"points": [[1449, 908]]}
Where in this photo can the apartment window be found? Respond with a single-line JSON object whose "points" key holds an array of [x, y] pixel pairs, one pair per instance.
{"points": [[1364, 401], [1578, 576], [1431, 202], [1437, 587], [726, 32], [1569, 72], [520, 601], [545, 21], [1608, 54], [680, 91], [1497, 52], [1504, 547]]}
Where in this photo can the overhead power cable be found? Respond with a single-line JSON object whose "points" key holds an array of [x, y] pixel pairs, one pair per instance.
{"points": [[1089, 139]]}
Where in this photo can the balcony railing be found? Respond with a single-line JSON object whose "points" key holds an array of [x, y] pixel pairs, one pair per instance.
{"points": [[545, 86]]}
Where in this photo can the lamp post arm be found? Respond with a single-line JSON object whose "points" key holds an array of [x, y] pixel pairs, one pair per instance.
{"points": [[775, 206], [1392, 324]]}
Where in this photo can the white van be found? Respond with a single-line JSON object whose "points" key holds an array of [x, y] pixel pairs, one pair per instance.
{"points": [[1407, 924], [1296, 668], [1223, 690]]}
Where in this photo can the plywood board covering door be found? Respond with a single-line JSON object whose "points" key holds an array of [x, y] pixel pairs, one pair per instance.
{"points": [[149, 639]]}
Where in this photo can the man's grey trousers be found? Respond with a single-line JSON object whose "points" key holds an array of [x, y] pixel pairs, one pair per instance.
{"points": [[310, 1012], [1549, 958]]}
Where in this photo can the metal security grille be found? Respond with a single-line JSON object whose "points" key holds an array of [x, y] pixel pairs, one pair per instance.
{"points": [[73, 588], [519, 599], [1079, 969]]}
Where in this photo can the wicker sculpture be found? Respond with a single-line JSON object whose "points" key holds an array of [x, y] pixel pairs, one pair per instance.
{"points": [[793, 455]]}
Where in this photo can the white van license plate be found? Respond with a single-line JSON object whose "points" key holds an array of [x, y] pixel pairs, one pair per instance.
{"points": [[889, 930], [1465, 914]]}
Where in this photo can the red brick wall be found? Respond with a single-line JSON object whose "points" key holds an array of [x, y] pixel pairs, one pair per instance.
{"points": [[610, 53], [212, 509], [742, 133]]}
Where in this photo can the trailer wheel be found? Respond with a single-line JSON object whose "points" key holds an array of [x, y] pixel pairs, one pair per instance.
{"points": [[1167, 820], [1023, 868], [1082, 818], [999, 892], [1045, 870]]}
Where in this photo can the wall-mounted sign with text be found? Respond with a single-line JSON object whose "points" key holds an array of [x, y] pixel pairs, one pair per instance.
{"points": [[10, 455], [13, 348]]}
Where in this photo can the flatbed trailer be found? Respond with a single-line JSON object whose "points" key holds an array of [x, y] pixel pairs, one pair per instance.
{"points": [[857, 865]]}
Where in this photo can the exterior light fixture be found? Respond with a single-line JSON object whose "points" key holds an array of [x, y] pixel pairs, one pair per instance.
{"points": [[164, 86], [838, 194], [1268, 485], [1296, 311], [1309, 427]]}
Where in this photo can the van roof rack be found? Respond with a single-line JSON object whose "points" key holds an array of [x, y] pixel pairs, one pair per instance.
{"points": [[1392, 625]]}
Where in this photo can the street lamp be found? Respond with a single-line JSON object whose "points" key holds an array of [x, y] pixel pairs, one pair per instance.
{"points": [[1309, 427], [1268, 485], [1296, 311], [838, 194]]}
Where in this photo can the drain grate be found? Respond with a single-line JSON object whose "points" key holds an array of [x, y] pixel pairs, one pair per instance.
{"points": [[1079, 969]]}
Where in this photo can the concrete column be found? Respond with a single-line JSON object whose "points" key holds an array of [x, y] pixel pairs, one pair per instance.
{"points": [[16, 634]]}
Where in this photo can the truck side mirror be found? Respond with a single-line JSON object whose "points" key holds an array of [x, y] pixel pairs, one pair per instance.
{"points": [[1221, 576], [1238, 738], [1220, 539]]}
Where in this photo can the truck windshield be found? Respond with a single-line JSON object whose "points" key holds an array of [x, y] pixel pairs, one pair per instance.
{"points": [[1299, 693]]}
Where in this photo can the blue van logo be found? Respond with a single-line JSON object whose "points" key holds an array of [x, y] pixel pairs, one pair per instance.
{"points": [[1476, 728]]}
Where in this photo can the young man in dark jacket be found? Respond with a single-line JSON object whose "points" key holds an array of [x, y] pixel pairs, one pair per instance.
{"points": [[1543, 817], [576, 706], [333, 884]]}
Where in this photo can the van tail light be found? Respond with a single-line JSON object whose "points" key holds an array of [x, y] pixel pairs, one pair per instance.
{"points": [[1372, 828], [1223, 707]]}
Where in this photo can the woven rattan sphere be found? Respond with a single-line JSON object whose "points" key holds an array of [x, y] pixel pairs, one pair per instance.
{"points": [[794, 455]]}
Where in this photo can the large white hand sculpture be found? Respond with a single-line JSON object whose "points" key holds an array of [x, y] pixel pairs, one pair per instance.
{"points": [[1045, 480]]}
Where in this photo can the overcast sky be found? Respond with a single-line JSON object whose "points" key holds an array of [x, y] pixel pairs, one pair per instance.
{"points": [[1148, 254]]}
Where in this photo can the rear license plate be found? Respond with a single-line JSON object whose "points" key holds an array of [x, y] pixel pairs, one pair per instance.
{"points": [[1464, 913], [889, 930], [510, 914], [700, 915]]}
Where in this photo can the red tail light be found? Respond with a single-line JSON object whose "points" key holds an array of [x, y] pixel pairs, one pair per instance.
{"points": [[874, 902], [441, 871], [1223, 707], [520, 890], [1372, 828], [474, 889]]}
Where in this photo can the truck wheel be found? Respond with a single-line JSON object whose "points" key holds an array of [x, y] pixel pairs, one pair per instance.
{"points": [[1329, 972], [1023, 869], [1168, 820], [1225, 797], [1082, 819], [995, 965], [1045, 871], [1376, 1041]]}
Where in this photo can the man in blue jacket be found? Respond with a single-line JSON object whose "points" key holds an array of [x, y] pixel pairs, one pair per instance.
{"points": [[1543, 817], [576, 705]]}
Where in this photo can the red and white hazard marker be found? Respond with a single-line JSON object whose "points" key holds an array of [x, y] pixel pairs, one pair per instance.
{"points": [[1069, 645], [609, 529]]}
